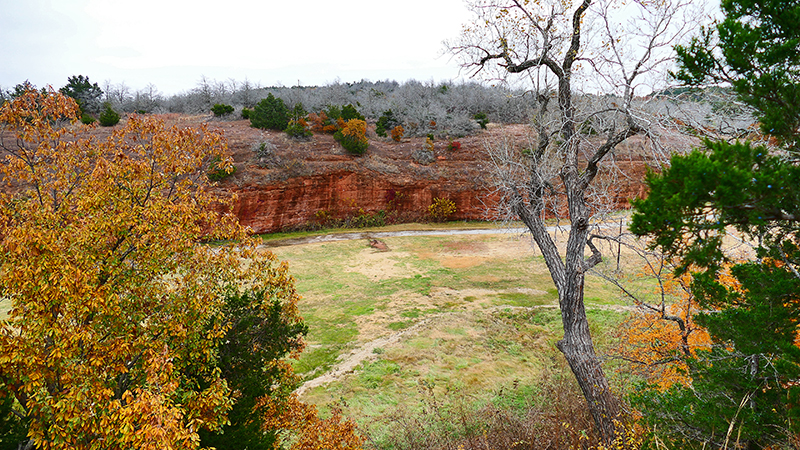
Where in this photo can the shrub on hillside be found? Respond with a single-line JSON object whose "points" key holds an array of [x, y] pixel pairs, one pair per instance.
{"points": [[265, 153], [221, 109], [397, 133], [299, 129], [441, 209], [298, 112], [349, 112], [425, 155], [264, 149], [353, 136], [270, 114], [481, 119], [333, 112], [386, 122], [87, 119], [319, 122], [219, 169], [246, 113], [109, 117]]}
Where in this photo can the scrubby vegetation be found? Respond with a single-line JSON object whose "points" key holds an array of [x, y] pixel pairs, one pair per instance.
{"points": [[221, 110], [122, 328], [109, 117], [270, 114], [412, 105], [353, 136], [441, 209], [299, 129]]}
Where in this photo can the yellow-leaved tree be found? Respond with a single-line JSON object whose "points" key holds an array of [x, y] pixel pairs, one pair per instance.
{"points": [[117, 309], [658, 337]]}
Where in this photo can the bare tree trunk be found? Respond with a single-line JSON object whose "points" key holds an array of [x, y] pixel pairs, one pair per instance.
{"points": [[568, 276], [577, 345], [549, 49]]}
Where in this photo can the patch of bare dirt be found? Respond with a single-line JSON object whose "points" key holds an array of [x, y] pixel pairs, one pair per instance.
{"points": [[380, 265]]}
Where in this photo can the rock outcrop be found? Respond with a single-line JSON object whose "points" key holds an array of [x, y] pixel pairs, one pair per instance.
{"points": [[310, 181]]}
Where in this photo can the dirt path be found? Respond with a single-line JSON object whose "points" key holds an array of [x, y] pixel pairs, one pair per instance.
{"points": [[333, 237], [356, 356], [366, 352]]}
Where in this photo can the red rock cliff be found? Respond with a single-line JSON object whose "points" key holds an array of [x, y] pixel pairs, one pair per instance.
{"points": [[300, 181]]}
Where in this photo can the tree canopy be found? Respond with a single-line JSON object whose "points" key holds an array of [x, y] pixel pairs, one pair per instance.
{"points": [[558, 46], [747, 382], [119, 314], [747, 379], [86, 93], [755, 48]]}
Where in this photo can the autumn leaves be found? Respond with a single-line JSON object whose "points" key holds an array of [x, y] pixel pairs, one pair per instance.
{"points": [[113, 338]]}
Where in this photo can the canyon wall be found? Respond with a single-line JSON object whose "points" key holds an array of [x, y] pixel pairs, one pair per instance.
{"points": [[300, 183], [301, 200]]}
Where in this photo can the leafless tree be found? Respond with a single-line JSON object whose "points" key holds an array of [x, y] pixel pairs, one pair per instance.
{"points": [[245, 93], [588, 65]]}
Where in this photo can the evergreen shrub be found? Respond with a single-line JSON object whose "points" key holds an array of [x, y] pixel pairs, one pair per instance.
{"points": [[270, 114], [481, 119], [353, 136], [221, 109], [385, 123], [109, 117]]}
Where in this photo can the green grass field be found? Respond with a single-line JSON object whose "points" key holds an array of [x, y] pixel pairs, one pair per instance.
{"points": [[478, 315]]}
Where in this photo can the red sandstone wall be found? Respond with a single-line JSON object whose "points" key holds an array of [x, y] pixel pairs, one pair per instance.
{"points": [[267, 208]]}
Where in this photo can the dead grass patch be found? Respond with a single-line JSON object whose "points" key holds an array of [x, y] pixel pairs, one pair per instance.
{"points": [[462, 262], [5, 307], [377, 265]]}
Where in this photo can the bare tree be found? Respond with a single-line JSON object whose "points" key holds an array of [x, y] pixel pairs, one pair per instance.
{"points": [[245, 93], [148, 100], [586, 63]]}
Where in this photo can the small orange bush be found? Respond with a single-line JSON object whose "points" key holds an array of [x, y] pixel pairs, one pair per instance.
{"points": [[353, 136], [397, 133], [318, 121]]}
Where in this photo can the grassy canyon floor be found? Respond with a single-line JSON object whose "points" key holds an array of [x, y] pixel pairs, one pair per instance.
{"points": [[462, 315]]}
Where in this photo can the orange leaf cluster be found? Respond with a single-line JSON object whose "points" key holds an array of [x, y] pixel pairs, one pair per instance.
{"points": [[355, 129], [305, 429], [321, 123], [658, 339], [397, 133], [353, 136]]}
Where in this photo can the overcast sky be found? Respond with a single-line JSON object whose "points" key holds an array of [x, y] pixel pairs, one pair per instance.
{"points": [[173, 43]]}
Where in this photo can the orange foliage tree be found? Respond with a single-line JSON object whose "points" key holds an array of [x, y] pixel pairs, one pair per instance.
{"points": [[658, 337], [305, 430], [397, 133], [111, 340]]}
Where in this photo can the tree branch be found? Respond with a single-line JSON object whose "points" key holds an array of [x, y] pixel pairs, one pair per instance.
{"points": [[596, 257]]}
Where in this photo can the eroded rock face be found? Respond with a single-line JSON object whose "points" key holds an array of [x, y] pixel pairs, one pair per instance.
{"points": [[306, 182], [301, 200]]}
